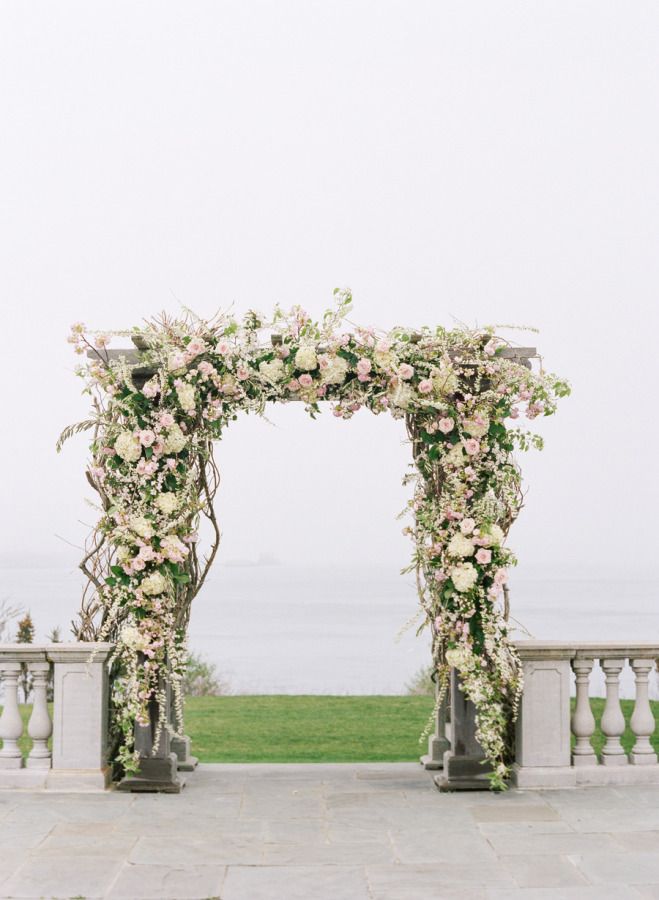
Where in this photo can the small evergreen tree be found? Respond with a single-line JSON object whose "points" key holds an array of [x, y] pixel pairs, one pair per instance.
{"points": [[25, 635]]}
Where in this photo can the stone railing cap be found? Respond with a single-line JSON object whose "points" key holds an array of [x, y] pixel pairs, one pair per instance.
{"points": [[531, 649]]}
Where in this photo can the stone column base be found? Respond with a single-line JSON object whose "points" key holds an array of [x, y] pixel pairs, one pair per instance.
{"points": [[532, 777], [463, 773], [155, 775], [77, 780], [181, 747]]}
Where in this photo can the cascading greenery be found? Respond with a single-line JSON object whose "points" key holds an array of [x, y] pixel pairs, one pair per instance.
{"points": [[459, 392]]}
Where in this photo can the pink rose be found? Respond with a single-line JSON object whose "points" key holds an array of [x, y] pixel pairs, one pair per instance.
{"points": [[363, 378], [224, 348], [166, 420], [445, 425], [525, 395], [472, 446], [195, 347], [383, 346], [146, 437], [406, 371], [293, 385], [500, 576], [363, 366], [425, 386], [242, 373], [283, 352], [205, 367], [483, 556], [305, 380]]}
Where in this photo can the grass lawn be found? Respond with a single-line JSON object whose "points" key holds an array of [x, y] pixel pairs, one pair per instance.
{"points": [[312, 728]]}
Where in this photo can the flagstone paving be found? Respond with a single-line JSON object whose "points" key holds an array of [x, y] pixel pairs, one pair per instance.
{"points": [[330, 832]]}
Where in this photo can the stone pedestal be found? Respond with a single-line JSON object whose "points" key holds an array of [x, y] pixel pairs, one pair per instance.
{"points": [[80, 723], [465, 768], [542, 734], [157, 772], [438, 743], [186, 762]]}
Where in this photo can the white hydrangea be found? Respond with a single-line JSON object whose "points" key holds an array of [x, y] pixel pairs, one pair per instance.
{"points": [[456, 657], [306, 358], [128, 447], [175, 440], [141, 526], [497, 535], [477, 429], [459, 545], [131, 638], [463, 576], [336, 370], [186, 396], [153, 584], [445, 381], [167, 502], [275, 370], [456, 456]]}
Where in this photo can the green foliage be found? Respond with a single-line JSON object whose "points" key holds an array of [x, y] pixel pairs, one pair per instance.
{"points": [[421, 684], [25, 632], [201, 678]]}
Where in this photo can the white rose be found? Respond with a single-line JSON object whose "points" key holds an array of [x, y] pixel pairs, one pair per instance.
{"points": [[467, 526], [128, 447], [336, 371], [175, 440], [463, 576], [385, 359], [141, 526], [186, 397], [273, 370], [167, 502], [459, 545], [153, 584], [306, 358], [445, 381]]}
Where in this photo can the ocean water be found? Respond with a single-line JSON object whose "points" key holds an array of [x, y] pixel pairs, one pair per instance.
{"points": [[337, 629]]}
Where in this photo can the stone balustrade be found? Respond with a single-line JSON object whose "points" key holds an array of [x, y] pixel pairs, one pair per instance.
{"points": [[545, 727], [78, 759]]}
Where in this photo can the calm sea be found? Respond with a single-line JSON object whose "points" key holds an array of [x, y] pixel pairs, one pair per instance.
{"points": [[296, 629]]}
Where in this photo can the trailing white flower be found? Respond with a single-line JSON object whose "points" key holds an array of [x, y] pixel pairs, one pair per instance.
{"points": [[128, 447]]}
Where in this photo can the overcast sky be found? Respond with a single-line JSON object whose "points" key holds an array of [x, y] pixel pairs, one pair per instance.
{"points": [[485, 162]]}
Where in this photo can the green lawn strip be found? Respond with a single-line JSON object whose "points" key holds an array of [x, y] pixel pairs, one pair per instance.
{"points": [[306, 728], [317, 728]]}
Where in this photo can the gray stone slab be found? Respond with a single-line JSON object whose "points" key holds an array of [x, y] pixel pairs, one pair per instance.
{"points": [[623, 867], [551, 844], [100, 840], [137, 882], [204, 848], [544, 871], [338, 854], [582, 892], [418, 846], [63, 876], [295, 883], [507, 812], [420, 880]]}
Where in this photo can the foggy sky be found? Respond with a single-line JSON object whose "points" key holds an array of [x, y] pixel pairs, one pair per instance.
{"points": [[473, 161]]}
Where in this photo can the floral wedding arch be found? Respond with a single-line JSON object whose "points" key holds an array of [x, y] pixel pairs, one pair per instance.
{"points": [[155, 416]]}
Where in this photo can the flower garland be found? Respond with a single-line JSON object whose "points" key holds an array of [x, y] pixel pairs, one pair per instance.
{"points": [[152, 466]]}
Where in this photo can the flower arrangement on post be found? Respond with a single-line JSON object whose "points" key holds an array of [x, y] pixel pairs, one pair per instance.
{"points": [[152, 465]]}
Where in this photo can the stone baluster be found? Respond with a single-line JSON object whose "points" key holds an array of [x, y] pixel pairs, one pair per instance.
{"points": [[11, 724], [40, 726], [438, 743], [642, 721], [583, 721], [613, 721]]}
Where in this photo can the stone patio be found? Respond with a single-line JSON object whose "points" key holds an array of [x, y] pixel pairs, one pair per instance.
{"points": [[331, 832]]}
